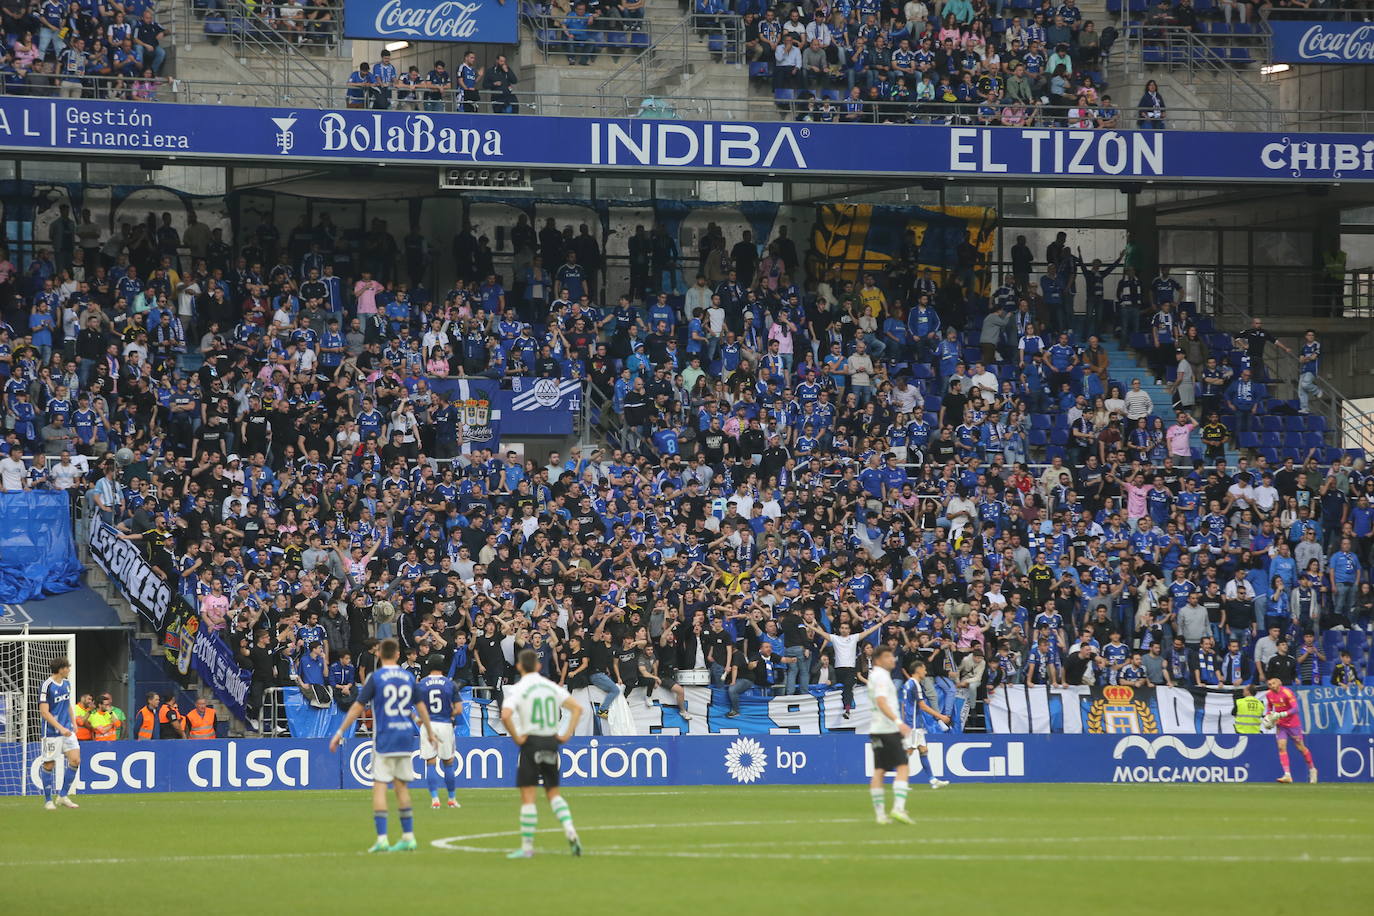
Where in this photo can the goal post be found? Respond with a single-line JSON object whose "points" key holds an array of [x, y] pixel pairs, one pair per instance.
{"points": [[25, 663]]}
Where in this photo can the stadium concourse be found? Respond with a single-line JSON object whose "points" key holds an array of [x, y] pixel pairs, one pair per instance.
{"points": [[957, 465]]}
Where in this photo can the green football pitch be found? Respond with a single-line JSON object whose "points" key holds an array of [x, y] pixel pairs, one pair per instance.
{"points": [[1128, 849]]}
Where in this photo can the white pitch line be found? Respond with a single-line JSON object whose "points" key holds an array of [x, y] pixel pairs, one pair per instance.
{"points": [[134, 860], [943, 841], [450, 842], [918, 855]]}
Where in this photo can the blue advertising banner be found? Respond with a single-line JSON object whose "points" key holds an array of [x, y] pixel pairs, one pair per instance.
{"points": [[37, 553], [1298, 42], [193, 766], [474, 21], [1337, 710], [90, 127], [215, 664]]}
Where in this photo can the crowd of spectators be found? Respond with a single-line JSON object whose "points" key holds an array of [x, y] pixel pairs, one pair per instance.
{"points": [[976, 62], [911, 458], [83, 48]]}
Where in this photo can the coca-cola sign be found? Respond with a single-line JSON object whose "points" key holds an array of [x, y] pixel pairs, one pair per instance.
{"points": [[474, 21], [1323, 42]]}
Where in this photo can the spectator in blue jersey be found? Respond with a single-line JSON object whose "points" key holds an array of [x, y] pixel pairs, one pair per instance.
{"points": [[385, 79], [360, 87], [1309, 365], [1243, 397], [576, 32]]}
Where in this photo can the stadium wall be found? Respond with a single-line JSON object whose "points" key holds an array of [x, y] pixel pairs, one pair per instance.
{"points": [[196, 766]]}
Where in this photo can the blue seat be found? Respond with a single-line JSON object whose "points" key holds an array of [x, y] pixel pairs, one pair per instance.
{"points": [[1271, 440], [922, 371], [1292, 440], [1240, 56], [760, 70], [1056, 451], [1039, 438], [1270, 424], [1269, 454], [715, 43], [1356, 453], [784, 96], [1059, 436], [1312, 440], [1039, 421], [1316, 423], [1248, 440], [639, 40], [1331, 455], [832, 95], [216, 25], [1294, 424]]}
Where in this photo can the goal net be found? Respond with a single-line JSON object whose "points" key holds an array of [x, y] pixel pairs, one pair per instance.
{"points": [[25, 663]]}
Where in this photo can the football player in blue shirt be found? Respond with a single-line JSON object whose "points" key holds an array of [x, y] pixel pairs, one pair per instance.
{"points": [[390, 691], [917, 713], [55, 709], [440, 696]]}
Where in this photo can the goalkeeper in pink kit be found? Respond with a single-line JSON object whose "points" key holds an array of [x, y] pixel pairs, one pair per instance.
{"points": [[1282, 713]]}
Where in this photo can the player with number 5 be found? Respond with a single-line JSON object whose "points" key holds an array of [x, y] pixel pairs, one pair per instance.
{"points": [[391, 692]]}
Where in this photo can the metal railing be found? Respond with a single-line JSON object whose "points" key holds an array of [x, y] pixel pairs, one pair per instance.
{"points": [[664, 68], [1353, 427], [630, 105], [1209, 65]]}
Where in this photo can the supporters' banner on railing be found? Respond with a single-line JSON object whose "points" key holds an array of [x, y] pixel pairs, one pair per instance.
{"points": [[215, 664], [468, 21], [283, 136], [1337, 710], [1023, 709], [512, 421], [545, 394], [722, 760], [818, 712], [1299, 42], [124, 563]]}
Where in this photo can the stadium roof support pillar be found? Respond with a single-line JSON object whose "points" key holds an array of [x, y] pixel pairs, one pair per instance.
{"points": [[1142, 227]]}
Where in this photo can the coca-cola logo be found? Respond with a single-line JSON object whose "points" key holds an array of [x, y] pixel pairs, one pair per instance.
{"points": [[1353, 43], [447, 20]]}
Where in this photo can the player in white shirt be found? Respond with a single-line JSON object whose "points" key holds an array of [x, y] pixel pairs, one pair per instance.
{"points": [[55, 709], [886, 733], [530, 713]]}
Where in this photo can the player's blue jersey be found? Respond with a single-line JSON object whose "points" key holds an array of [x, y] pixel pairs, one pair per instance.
{"points": [[59, 700], [908, 699], [438, 693], [391, 693]]}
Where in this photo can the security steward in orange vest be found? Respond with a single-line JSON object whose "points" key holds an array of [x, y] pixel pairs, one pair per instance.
{"points": [[200, 722], [169, 720], [145, 720], [81, 718]]}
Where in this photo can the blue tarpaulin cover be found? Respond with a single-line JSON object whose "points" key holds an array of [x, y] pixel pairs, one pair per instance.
{"points": [[37, 553]]}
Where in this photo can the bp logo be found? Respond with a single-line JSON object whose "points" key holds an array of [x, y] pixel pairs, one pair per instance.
{"points": [[745, 760], [546, 392]]}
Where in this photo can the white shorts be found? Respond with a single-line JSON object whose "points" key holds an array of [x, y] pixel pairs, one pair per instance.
{"points": [[57, 747], [914, 739], [391, 767], [443, 742]]}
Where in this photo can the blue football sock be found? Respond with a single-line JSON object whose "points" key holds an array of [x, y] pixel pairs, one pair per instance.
{"points": [[407, 821], [49, 776], [451, 777], [432, 778], [380, 819]]}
